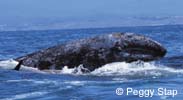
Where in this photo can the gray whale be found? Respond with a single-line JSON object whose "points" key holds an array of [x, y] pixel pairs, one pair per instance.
{"points": [[96, 51]]}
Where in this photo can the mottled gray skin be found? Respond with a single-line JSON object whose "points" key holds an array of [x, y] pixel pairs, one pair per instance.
{"points": [[96, 51]]}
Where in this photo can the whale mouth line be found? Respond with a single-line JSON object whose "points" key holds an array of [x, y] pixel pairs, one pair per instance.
{"points": [[141, 53]]}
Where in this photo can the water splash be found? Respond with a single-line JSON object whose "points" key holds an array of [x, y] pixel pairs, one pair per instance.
{"points": [[140, 69], [135, 69], [10, 65]]}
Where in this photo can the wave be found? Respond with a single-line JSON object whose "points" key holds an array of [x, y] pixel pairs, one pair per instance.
{"points": [[124, 70], [127, 70], [173, 61], [25, 95], [135, 69]]}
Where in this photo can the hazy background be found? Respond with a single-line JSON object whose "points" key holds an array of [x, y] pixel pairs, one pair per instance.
{"points": [[61, 14]]}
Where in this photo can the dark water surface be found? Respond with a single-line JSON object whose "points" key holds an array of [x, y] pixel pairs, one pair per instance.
{"points": [[100, 84]]}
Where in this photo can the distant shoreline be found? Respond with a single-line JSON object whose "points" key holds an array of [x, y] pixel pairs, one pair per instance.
{"points": [[25, 30]]}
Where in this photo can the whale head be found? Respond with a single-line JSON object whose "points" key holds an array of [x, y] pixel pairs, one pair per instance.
{"points": [[132, 47]]}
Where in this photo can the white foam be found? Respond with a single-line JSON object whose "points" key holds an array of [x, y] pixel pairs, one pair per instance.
{"points": [[8, 64], [11, 64], [76, 83], [25, 95], [66, 70], [113, 69], [136, 68]]}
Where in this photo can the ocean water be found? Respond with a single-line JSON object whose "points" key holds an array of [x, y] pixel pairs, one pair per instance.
{"points": [[101, 84]]}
